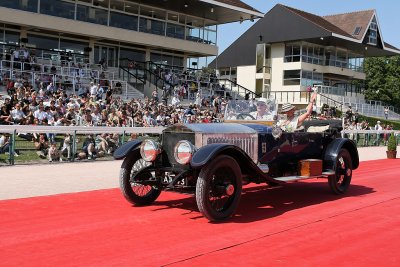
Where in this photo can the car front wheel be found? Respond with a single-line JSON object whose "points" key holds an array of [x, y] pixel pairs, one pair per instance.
{"points": [[132, 182], [340, 182], [219, 187]]}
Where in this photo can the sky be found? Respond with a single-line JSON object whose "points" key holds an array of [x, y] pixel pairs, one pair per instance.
{"points": [[387, 13]]}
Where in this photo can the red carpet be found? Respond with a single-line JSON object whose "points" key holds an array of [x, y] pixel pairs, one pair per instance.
{"points": [[300, 224]]}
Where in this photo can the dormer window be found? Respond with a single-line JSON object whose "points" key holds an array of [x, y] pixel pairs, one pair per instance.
{"points": [[357, 30]]}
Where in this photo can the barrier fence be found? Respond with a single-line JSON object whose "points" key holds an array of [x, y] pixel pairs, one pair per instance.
{"points": [[22, 143], [23, 139]]}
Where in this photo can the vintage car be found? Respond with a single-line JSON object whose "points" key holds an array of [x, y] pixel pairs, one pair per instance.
{"points": [[214, 160]]}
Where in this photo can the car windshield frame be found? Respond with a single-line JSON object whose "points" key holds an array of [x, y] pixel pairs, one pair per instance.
{"points": [[239, 110]]}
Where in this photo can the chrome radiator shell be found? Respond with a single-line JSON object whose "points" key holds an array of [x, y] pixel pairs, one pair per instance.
{"points": [[239, 135], [248, 142]]}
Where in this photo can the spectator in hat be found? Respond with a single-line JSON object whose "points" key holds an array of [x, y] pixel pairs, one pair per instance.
{"points": [[262, 112], [292, 122]]}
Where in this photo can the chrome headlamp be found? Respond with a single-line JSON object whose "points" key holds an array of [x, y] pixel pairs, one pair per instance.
{"points": [[149, 150], [183, 152]]}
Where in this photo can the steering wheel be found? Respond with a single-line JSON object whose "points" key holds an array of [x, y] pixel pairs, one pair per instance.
{"points": [[242, 116]]}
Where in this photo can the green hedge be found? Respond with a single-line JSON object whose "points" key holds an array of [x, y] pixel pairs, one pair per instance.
{"points": [[372, 121]]}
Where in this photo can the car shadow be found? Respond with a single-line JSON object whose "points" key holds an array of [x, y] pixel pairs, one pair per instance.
{"points": [[263, 202]]}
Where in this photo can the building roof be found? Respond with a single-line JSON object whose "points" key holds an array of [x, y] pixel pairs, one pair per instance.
{"points": [[238, 3], [349, 21], [317, 20], [287, 24]]}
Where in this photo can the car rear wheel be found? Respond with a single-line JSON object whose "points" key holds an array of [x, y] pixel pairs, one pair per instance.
{"points": [[133, 173], [219, 187], [340, 182]]}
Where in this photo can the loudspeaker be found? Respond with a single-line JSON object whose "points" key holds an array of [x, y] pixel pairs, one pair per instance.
{"points": [[87, 49], [24, 40]]}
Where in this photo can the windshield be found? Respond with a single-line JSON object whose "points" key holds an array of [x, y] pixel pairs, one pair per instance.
{"points": [[255, 109]]}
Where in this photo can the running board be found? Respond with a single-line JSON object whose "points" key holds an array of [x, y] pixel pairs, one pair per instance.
{"points": [[297, 178]]}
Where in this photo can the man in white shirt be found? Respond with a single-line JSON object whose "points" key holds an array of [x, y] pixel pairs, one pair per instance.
{"points": [[93, 90], [378, 128], [17, 114], [40, 114]]}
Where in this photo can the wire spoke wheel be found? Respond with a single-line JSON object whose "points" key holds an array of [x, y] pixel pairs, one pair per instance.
{"points": [[218, 197], [133, 179], [340, 182], [219, 187]]}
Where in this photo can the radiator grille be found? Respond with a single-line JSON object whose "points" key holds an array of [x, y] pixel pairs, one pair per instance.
{"points": [[245, 143]]}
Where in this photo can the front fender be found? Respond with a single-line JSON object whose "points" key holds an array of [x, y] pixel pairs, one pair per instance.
{"points": [[209, 152], [126, 148], [333, 150]]}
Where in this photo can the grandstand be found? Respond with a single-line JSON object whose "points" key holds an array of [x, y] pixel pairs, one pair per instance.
{"points": [[71, 42]]}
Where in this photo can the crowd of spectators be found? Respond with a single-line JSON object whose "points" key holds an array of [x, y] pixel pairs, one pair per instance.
{"points": [[94, 105], [352, 122]]}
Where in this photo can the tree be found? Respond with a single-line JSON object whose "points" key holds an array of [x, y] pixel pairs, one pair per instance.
{"points": [[383, 79]]}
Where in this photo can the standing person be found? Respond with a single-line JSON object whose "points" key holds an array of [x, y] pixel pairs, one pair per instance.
{"points": [[50, 88], [154, 94], [108, 95], [93, 90], [216, 104], [349, 114], [386, 111], [100, 93], [292, 122], [378, 128]]}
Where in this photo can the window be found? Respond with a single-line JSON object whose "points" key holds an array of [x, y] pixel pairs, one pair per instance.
{"points": [[57, 8], [357, 30], [26, 5], [292, 53], [311, 78], [124, 21], [291, 77], [90, 14], [372, 36], [312, 54]]}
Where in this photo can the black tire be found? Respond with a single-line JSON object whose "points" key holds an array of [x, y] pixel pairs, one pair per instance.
{"points": [[340, 182], [214, 179], [132, 171]]}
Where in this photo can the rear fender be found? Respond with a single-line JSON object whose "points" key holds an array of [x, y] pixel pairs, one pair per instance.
{"points": [[127, 149], [333, 149]]}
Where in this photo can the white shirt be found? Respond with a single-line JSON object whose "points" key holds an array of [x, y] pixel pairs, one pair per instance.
{"points": [[93, 90], [265, 117], [17, 114], [378, 127], [40, 114], [289, 126]]}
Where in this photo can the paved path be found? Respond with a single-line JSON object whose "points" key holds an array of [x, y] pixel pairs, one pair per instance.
{"points": [[50, 179]]}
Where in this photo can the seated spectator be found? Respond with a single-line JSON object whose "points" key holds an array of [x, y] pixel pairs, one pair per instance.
{"points": [[113, 142], [67, 147], [5, 144], [42, 145], [5, 116], [87, 119], [17, 114], [102, 147], [54, 154], [88, 148]]}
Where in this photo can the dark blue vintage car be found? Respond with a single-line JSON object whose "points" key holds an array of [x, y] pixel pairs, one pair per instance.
{"points": [[213, 161]]}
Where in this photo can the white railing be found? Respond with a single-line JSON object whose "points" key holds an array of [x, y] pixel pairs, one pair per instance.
{"points": [[79, 129]]}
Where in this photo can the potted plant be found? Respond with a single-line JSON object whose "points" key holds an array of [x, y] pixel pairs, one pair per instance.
{"points": [[391, 147]]}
